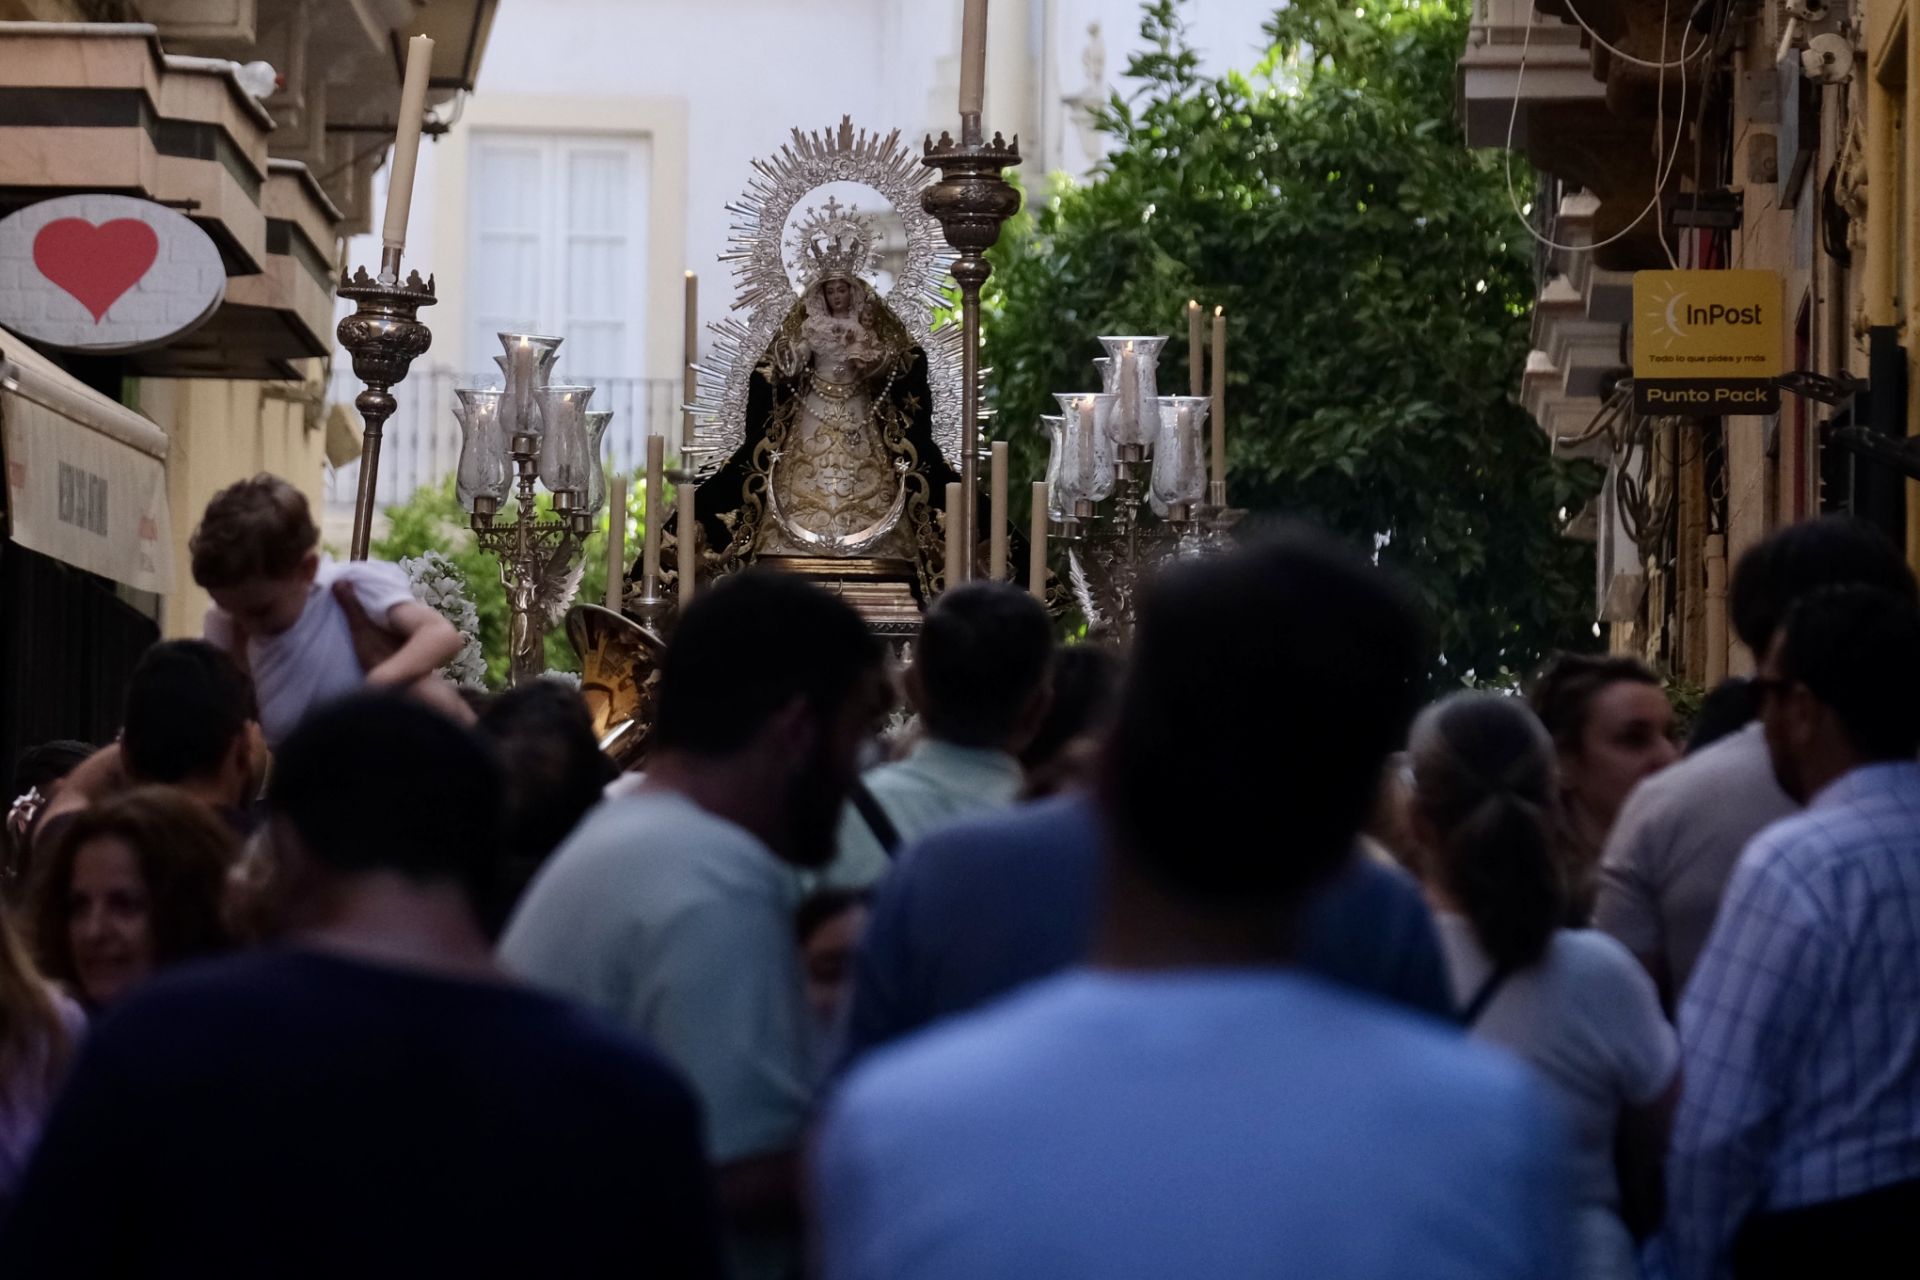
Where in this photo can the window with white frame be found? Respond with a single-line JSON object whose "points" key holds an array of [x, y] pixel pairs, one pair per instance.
{"points": [[557, 244]]}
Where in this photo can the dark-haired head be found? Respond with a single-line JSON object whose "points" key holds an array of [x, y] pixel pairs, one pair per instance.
{"points": [[1086, 690], [1728, 708], [1841, 686], [747, 649], [1265, 689], [1833, 551], [979, 674], [554, 769], [1483, 772], [190, 713], [379, 784], [770, 687]]}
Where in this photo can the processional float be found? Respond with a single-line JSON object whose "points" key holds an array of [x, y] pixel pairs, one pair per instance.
{"points": [[834, 431]]}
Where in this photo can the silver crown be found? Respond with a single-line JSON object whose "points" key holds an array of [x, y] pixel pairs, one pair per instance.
{"points": [[833, 242]]}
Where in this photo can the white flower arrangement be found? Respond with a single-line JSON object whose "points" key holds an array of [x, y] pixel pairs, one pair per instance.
{"points": [[437, 583]]}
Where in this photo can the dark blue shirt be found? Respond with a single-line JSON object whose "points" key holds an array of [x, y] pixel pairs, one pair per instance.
{"points": [[296, 1113], [981, 907]]}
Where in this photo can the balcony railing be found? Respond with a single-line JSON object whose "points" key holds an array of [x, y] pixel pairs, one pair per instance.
{"points": [[421, 444]]}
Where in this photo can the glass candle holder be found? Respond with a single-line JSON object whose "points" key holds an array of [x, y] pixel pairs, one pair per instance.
{"points": [[1054, 425], [1180, 453], [1132, 375], [597, 422], [528, 366], [1087, 453], [485, 470], [565, 462]]}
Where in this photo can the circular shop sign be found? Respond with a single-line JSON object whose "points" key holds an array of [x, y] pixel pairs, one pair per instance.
{"points": [[106, 273]]}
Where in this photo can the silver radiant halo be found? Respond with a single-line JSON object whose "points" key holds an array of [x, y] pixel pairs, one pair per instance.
{"points": [[757, 246]]}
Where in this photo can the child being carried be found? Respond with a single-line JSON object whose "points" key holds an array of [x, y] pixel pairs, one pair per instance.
{"points": [[278, 610]]}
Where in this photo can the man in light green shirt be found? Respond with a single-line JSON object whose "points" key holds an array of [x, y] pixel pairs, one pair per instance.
{"points": [[671, 909], [979, 681]]}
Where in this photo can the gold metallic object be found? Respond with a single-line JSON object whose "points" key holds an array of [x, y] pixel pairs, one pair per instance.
{"points": [[619, 678]]}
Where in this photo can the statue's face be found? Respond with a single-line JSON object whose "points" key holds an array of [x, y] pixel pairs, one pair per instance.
{"points": [[839, 296]]}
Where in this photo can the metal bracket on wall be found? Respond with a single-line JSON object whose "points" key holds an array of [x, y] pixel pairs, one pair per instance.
{"points": [[1820, 386]]}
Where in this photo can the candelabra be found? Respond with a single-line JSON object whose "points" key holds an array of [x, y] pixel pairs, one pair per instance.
{"points": [[531, 428], [971, 201], [384, 336], [1102, 443]]}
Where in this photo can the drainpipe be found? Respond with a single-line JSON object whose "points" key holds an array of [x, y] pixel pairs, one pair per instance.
{"points": [[1715, 554]]}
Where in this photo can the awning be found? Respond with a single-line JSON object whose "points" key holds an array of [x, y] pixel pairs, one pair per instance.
{"points": [[86, 477]]}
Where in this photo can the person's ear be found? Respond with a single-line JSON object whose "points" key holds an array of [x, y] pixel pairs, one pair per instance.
{"points": [[791, 734]]}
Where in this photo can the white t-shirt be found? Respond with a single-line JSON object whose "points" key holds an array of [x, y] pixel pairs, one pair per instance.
{"points": [[312, 662], [1588, 1019]]}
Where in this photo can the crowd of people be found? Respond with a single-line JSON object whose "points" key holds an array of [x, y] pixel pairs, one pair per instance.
{"points": [[1236, 954]]}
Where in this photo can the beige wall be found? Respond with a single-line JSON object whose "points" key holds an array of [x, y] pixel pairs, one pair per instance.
{"points": [[222, 431]]}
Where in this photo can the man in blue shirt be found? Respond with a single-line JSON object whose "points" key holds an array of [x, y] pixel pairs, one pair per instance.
{"points": [[1796, 1151], [1192, 1104], [982, 907]]}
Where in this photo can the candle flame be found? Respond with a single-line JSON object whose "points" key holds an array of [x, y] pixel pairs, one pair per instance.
{"points": [[1218, 312]]}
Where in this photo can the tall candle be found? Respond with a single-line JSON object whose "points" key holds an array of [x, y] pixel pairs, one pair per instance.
{"points": [[616, 540], [997, 545], [650, 549], [1089, 470], [1129, 389], [690, 350], [1219, 404], [406, 141], [1037, 543], [973, 58], [687, 535], [520, 385], [953, 534], [1196, 353], [1182, 446]]}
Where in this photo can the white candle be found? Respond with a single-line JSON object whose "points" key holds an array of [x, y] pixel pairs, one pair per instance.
{"points": [[616, 540], [1219, 403], [406, 141], [656, 516], [973, 58], [690, 349], [997, 545], [520, 385], [1037, 543], [687, 538], [1088, 472], [1129, 393], [1196, 352], [1182, 446], [953, 534]]}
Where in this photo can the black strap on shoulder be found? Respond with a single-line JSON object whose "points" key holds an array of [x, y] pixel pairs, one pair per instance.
{"points": [[1484, 996], [876, 818]]}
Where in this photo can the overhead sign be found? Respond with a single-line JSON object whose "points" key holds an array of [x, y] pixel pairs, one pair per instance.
{"points": [[106, 274], [1707, 343]]}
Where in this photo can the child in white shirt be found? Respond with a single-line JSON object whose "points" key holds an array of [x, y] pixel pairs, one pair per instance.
{"points": [[276, 611]]}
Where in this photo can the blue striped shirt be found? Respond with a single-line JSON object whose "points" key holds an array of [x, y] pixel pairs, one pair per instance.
{"points": [[1800, 1031]]}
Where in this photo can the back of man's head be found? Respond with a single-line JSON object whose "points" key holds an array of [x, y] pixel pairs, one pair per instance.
{"points": [[1857, 649], [187, 703], [1266, 689], [746, 649], [1834, 551], [983, 654], [377, 783]]}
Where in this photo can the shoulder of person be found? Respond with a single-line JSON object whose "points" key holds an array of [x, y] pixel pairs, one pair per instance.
{"points": [[1598, 959]]}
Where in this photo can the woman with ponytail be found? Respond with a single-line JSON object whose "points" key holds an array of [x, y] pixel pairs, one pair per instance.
{"points": [[1574, 1004]]}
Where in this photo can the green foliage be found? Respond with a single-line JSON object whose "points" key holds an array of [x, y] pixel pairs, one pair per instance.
{"points": [[431, 520], [1377, 290]]}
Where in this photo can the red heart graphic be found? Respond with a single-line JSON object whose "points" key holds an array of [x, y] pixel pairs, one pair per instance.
{"points": [[95, 264]]}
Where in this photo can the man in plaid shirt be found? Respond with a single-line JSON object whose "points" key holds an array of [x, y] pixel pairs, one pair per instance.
{"points": [[1797, 1147]]}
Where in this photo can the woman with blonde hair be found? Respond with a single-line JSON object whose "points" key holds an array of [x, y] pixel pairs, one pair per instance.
{"points": [[39, 1028]]}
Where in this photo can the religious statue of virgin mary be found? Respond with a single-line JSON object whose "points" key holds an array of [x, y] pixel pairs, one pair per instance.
{"points": [[831, 401]]}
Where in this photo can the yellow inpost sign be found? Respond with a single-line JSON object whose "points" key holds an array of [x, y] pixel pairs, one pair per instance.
{"points": [[1707, 343]]}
